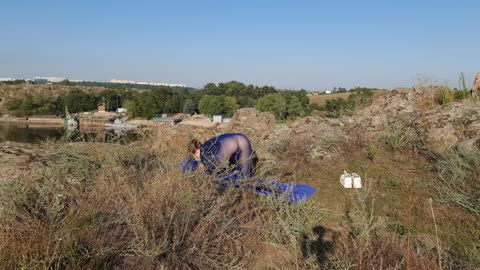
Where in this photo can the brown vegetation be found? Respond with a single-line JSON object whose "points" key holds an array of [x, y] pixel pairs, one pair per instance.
{"points": [[93, 205], [321, 99]]}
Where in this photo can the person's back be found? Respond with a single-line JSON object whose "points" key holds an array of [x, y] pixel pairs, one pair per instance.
{"points": [[219, 153]]}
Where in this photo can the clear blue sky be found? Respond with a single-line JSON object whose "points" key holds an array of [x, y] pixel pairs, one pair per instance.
{"points": [[287, 44]]}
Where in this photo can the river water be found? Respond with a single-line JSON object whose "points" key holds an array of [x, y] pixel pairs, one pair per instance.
{"points": [[37, 134]]}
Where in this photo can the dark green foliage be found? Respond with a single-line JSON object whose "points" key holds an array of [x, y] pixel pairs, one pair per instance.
{"points": [[274, 103], [212, 105], [339, 107], [218, 105], [176, 89], [245, 95], [362, 97], [79, 101], [285, 104], [224, 98], [231, 106], [339, 90], [460, 94], [443, 97], [189, 107], [295, 108], [316, 107], [32, 104], [111, 98]]}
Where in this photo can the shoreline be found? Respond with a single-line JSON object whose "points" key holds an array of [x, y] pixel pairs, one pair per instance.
{"points": [[48, 121], [32, 120]]}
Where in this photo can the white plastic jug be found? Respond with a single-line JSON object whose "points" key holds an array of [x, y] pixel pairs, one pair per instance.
{"points": [[346, 180], [357, 180]]}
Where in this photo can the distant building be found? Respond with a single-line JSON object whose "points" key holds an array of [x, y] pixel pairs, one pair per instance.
{"points": [[121, 110], [48, 79], [163, 119], [328, 92], [7, 79], [220, 119], [149, 83]]}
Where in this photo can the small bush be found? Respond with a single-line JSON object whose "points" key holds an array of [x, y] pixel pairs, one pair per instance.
{"points": [[394, 138], [443, 97], [364, 245], [316, 107], [339, 107], [408, 136], [362, 97], [460, 94], [400, 229], [372, 151]]}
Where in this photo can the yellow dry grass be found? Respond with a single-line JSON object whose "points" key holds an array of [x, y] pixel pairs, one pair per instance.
{"points": [[322, 99]]}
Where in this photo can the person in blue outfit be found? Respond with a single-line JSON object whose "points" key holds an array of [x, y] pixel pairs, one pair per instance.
{"points": [[223, 155], [230, 158]]}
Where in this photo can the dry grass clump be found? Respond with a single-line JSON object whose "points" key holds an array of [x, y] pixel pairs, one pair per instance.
{"points": [[459, 178], [405, 136], [100, 206], [430, 93], [364, 244]]}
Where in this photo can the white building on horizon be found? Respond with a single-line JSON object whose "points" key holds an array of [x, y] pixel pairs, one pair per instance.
{"points": [[49, 79], [149, 83]]}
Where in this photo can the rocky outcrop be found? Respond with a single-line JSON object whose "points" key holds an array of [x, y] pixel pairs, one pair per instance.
{"points": [[455, 123], [21, 157], [476, 85], [249, 120], [317, 137], [441, 126]]}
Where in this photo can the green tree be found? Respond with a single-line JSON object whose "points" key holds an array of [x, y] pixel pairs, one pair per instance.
{"points": [[295, 108], [362, 97], [189, 107], [212, 105], [274, 103], [26, 106], [231, 106], [339, 107], [79, 101]]}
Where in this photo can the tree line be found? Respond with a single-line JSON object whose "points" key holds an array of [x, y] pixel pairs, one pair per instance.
{"points": [[212, 99]]}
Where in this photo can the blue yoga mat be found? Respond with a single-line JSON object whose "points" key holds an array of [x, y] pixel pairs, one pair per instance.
{"points": [[293, 193]]}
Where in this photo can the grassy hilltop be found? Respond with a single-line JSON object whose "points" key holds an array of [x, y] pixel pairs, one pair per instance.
{"points": [[110, 206]]}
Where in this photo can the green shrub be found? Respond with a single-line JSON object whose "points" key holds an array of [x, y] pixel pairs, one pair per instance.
{"points": [[394, 138], [339, 107], [372, 151], [460, 94], [443, 97], [316, 107], [400, 229], [362, 97]]}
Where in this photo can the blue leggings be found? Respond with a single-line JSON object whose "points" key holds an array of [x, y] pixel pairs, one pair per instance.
{"points": [[232, 148]]}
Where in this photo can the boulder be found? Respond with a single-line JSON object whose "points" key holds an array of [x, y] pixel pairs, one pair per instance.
{"points": [[455, 123], [415, 110], [476, 85], [251, 122]]}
